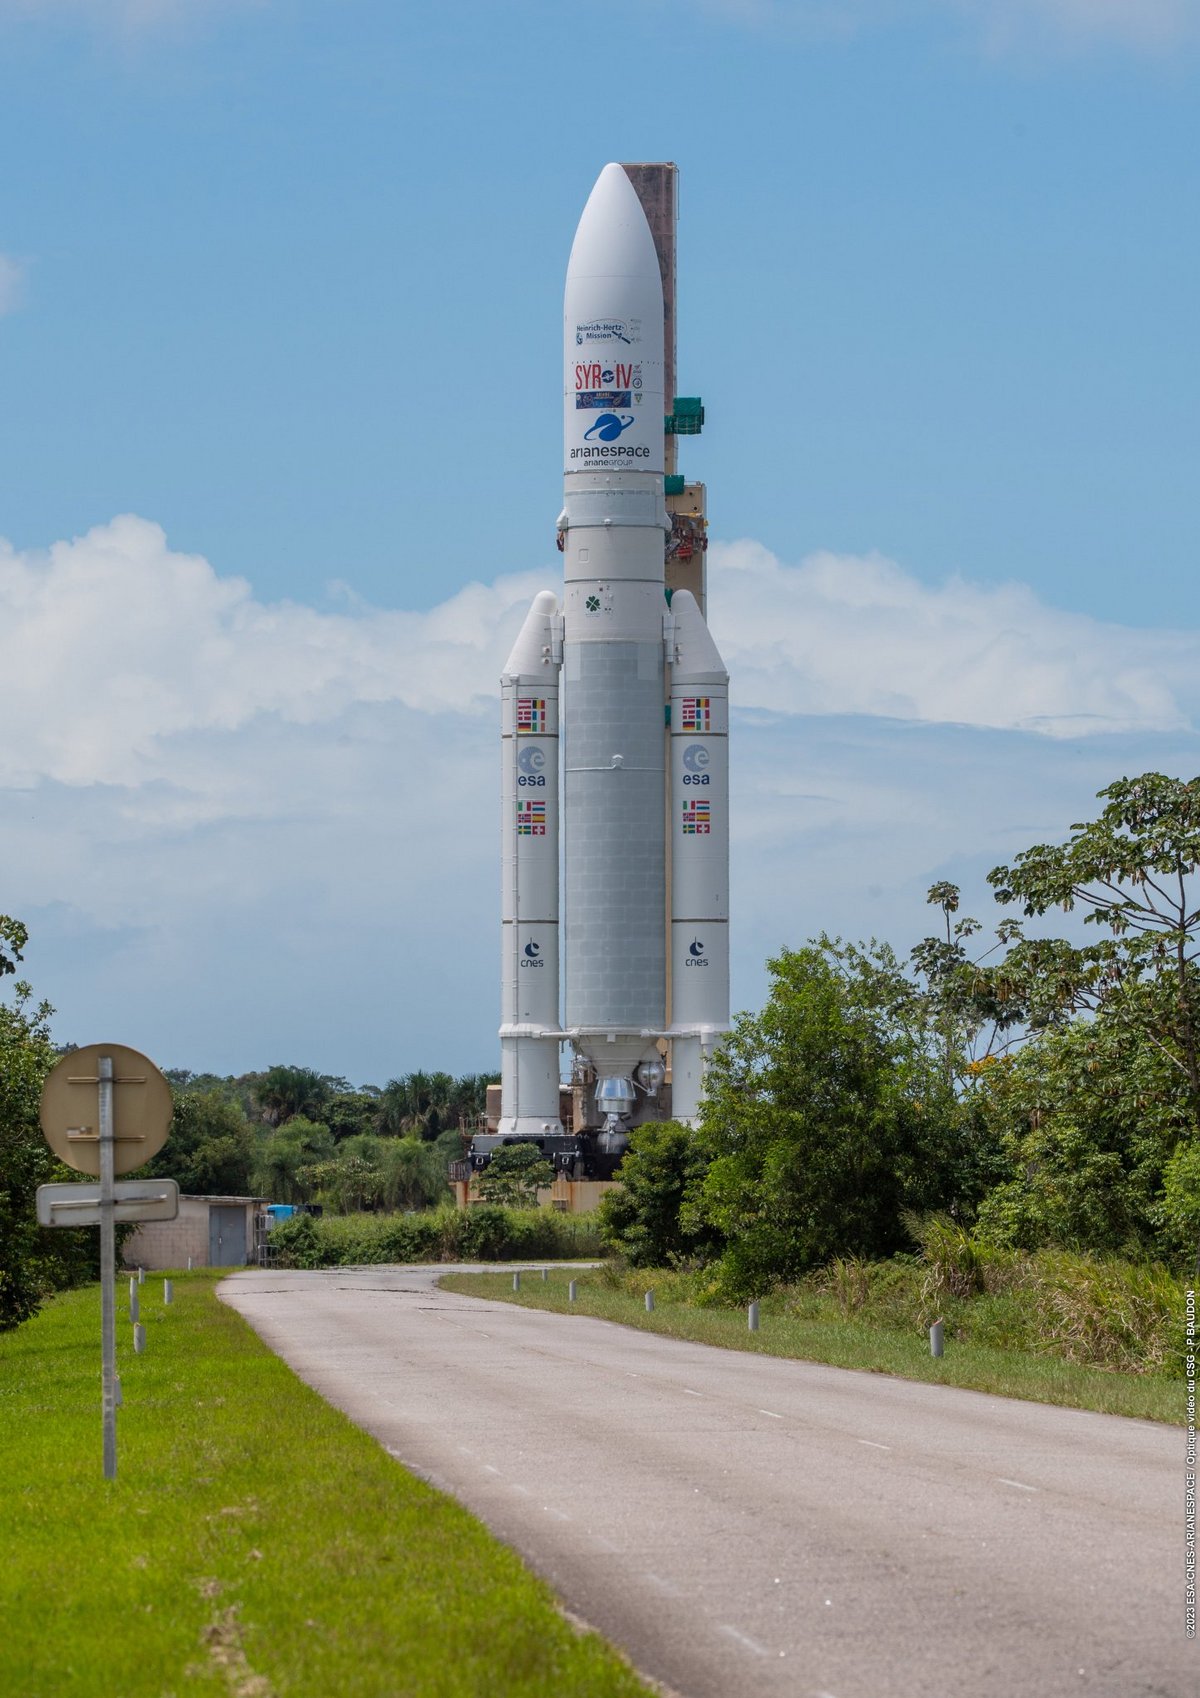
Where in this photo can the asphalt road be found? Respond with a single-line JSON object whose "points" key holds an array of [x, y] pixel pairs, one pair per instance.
{"points": [[743, 1525]]}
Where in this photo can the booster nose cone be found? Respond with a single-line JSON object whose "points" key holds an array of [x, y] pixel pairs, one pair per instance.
{"points": [[613, 336]]}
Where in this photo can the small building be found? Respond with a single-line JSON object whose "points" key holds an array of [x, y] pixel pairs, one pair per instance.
{"points": [[215, 1232]]}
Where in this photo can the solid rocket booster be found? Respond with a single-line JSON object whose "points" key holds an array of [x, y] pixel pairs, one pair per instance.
{"points": [[529, 1032], [699, 722], [628, 808]]}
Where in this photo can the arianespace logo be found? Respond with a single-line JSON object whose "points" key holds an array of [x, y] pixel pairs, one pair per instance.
{"points": [[602, 440], [695, 955], [608, 427], [605, 330], [532, 956]]}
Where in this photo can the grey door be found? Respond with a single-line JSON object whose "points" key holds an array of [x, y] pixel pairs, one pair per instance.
{"points": [[226, 1236]]}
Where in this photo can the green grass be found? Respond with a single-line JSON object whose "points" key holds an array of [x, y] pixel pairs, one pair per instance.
{"points": [[826, 1335], [255, 1544]]}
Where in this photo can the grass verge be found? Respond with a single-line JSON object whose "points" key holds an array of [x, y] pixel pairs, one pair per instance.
{"points": [[256, 1544], [844, 1343]]}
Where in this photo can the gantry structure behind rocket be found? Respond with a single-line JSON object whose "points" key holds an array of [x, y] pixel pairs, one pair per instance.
{"points": [[619, 689]]}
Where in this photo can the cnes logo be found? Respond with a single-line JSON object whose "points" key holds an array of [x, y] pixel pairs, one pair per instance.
{"points": [[533, 955], [695, 955]]}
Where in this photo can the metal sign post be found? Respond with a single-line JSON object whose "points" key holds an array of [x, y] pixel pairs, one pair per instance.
{"points": [[108, 1268], [107, 1149]]}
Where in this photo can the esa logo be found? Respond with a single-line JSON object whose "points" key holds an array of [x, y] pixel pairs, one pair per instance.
{"points": [[533, 955], [695, 764], [695, 955], [530, 762]]}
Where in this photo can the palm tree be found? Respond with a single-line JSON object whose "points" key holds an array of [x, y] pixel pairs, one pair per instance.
{"points": [[282, 1092], [284, 1155], [417, 1102]]}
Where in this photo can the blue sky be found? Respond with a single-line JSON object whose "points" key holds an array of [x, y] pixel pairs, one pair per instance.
{"points": [[282, 280]]}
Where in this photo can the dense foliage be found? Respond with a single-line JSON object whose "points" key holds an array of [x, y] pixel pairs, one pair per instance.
{"points": [[1039, 1092], [485, 1233], [298, 1136], [33, 1262], [515, 1175]]}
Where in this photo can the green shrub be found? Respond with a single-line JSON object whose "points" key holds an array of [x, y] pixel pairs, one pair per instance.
{"points": [[1098, 1312], [645, 1219], [482, 1233], [1179, 1211], [515, 1175], [485, 1233], [297, 1244]]}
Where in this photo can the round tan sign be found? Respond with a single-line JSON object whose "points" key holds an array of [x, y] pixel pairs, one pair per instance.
{"points": [[142, 1108]]}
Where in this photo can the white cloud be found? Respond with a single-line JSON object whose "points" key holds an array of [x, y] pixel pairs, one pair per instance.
{"points": [[849, 634], [246, 831], [1000, 25], [129, 17], [123, 655], [1148, 24], [12, 284], [125, 645]]}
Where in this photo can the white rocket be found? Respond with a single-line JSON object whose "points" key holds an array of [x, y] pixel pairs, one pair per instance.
{"points": [[643, 726]]}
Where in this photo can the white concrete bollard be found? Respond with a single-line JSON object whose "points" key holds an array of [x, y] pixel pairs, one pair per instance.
{"points": [[168, 1291], [649, 1301], [139, 1339], [516, 1282], [936, 1345], [752, 1318], [133, 1300], [572, 1291]]}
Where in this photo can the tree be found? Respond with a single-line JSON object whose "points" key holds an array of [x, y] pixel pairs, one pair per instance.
{"points": [[823, 1122], [210, 1148], [415, 1102], [514, 1176], [1134, 872], [977, 1011], [26, 1056], [414, 1173], [286, 1157], [432, 1103], [348, 1114], [661, 1170], [33, 1262], [282, 1093], [1088, 1116]]}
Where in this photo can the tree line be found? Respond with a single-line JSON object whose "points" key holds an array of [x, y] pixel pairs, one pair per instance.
{"points": [[299, 1136], [1039, 1091]]}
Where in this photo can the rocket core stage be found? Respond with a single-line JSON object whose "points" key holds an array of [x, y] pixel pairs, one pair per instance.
{"points": [[644, 809]]}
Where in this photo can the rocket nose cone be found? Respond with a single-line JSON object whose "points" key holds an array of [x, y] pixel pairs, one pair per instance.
{"points": [[613, 238]]}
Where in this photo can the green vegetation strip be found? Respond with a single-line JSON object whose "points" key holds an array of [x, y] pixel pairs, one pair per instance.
{"points": [[833, 1339], [255, 1542]]}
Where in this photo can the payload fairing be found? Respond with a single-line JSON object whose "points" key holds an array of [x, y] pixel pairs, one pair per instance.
{"points": [[635, 692]]}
